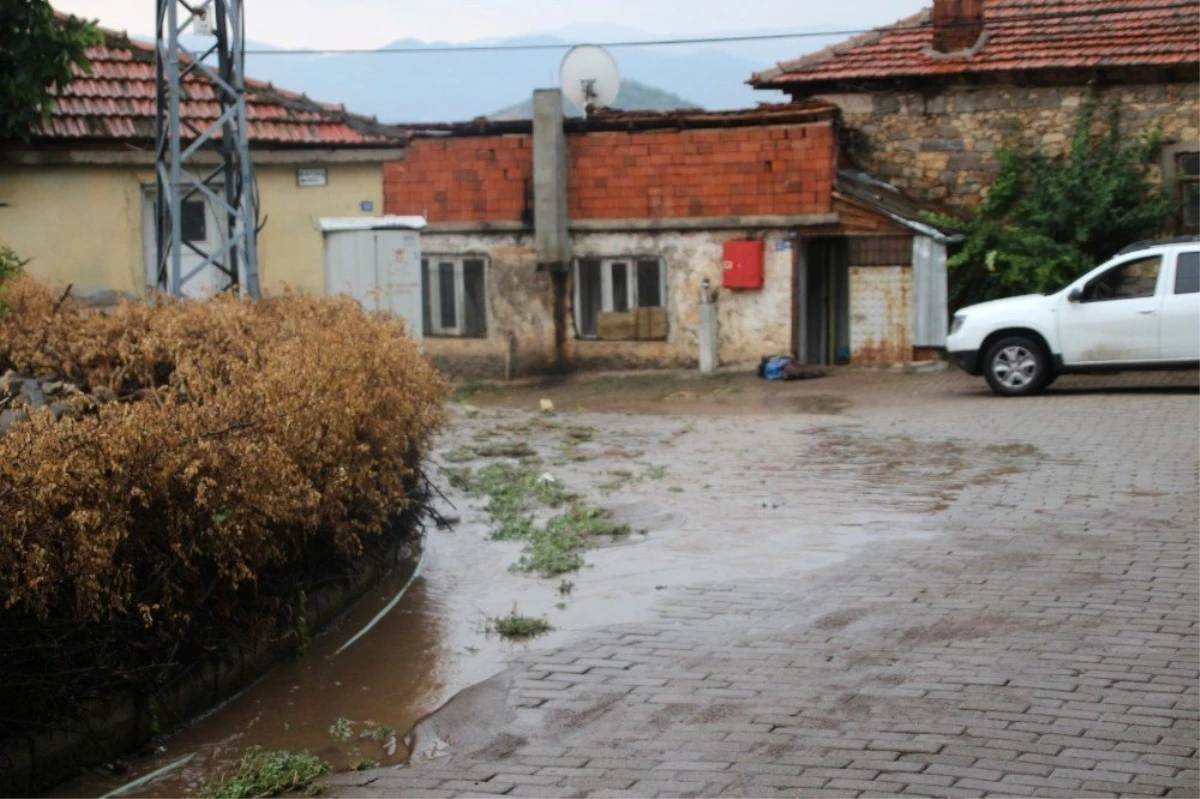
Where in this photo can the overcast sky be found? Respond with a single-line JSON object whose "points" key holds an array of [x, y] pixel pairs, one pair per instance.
{"points": [[372, 23]]}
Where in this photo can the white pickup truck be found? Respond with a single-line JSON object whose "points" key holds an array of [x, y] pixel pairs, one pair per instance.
{"points": [[1138, 310]]}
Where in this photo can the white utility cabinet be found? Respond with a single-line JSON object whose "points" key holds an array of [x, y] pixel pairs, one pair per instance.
{"points": [[377, 261]]}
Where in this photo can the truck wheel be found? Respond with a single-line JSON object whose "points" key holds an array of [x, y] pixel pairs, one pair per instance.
{"points": [[1017, 366]]}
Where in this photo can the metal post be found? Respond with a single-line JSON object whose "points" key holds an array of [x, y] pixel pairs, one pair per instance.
{"points": [[205, 161]]}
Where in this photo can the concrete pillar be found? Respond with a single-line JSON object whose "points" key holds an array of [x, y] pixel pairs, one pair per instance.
{"points": [[707, 332], [551, 242], [550, 237]]}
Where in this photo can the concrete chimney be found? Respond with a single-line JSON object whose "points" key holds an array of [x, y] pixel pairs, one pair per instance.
{"points": [[957, 24]]}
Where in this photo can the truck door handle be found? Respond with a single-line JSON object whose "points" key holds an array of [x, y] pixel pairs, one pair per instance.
{"points": [[1147, 311]]}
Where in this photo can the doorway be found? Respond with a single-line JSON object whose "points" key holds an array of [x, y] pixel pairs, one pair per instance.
{"points": [[822, 303], [201, 228]]}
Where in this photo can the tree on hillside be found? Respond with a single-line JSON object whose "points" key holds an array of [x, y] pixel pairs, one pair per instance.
{"points": [[37, 51], [1047, 219]]}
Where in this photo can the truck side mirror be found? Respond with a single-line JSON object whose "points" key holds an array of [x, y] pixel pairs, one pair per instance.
{"points": [[1075, 296]]}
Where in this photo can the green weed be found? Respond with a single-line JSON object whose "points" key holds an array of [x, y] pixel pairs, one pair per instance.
{"points": [[363, 763], [460, 455], [267, 773], [516, 626], [555, 548], [341, 729], [506, 449]]}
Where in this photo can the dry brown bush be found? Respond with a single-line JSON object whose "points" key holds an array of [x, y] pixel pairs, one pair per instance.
{"points": [[257, 445]]}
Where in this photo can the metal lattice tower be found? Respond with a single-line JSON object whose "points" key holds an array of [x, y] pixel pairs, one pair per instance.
{"points": [[206, 161]]}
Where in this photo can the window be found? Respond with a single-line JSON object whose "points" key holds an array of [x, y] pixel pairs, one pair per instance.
{"points": [[193, 220], [453, 296], [608, 287], [1187, 273], [1187, 183], [1128, 281]]}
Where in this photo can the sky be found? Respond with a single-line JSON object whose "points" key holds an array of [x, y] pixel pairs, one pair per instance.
{"points": [[372, 23]]}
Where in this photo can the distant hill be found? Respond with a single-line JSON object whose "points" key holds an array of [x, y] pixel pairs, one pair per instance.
{"points": [[633, 96], [447, 86]]}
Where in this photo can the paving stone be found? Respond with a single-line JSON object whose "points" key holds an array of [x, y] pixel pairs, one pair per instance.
{"points": [[1039, 638]]}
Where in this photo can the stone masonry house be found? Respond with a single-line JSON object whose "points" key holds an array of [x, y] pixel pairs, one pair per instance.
{"points": [[926, 101], [800, 257], [78, 199]]}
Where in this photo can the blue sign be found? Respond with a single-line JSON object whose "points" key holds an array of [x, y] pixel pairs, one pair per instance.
{"points": [[367, 205]]}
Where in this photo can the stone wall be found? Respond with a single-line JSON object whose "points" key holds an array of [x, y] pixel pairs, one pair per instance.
{"points": [[941, 143]]}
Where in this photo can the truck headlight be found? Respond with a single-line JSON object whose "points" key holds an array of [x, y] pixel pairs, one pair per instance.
{"points": [[956, 323]]}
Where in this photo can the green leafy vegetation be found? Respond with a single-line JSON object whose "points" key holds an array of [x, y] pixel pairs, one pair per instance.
{"points": [[514, 626], [11, 265], [37, 52], [555, 548], [1049, 218], [267, 773], [341, 729], [363, 764]]}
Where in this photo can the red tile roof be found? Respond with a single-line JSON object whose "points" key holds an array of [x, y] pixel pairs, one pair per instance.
{"points": [[1021, 36], [116, 101]]}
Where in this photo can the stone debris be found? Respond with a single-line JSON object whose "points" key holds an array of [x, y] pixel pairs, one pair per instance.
{"points": [[21, 395]]}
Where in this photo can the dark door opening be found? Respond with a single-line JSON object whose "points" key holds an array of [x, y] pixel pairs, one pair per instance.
{"points": [[822, 286]]}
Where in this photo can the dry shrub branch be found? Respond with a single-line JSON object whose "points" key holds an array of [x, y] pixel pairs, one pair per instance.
{"points": [[231, 453]]}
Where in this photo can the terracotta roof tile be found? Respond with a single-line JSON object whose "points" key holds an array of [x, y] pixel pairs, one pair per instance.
{"points": [[1022, 36], [116, 99]]}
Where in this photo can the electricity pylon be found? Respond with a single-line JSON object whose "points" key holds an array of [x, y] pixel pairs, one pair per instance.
{"points": [[203, 164]]}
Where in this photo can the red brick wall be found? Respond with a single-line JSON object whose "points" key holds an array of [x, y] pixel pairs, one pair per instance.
{"points": [[776, 169], [466, 179]]}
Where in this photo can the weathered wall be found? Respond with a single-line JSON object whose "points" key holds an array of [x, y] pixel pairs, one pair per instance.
{"points": [[769, 169], [84, 224], [290, 247], [880, 314], [518, 307], [752, 323], [941, 143], [76, 224]]}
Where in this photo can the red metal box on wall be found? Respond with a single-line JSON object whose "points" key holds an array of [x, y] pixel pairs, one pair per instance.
{"points": [[743, 262]]}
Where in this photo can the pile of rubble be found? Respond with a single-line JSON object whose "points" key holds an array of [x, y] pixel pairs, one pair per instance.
{"points": [[22, 395]]}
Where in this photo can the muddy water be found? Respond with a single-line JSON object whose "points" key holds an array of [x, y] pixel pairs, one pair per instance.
{"points": [[713, 498], [389, 676]]}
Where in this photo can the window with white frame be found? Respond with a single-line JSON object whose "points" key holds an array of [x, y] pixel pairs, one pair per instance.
{"points": [[616, 285], [453, 295]]}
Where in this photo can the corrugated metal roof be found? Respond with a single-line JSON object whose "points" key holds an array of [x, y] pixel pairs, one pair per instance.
{"points": [[115, 101], [1022, 36]]}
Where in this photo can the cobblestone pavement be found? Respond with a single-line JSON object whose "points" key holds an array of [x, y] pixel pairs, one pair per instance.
{"points": [[1036, 637]]}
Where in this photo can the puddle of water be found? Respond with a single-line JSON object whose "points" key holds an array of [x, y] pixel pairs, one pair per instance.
{"points": [[808, 508], [389, 676]]}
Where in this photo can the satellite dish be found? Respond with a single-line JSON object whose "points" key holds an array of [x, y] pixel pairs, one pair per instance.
{"points": [[588, 76]]}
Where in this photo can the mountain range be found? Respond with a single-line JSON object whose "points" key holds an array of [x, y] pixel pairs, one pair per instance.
{"points": [[460, 85]]}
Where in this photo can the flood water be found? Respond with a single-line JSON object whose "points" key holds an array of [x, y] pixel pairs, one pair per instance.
{"points": [[390, 676], [435, 642]]}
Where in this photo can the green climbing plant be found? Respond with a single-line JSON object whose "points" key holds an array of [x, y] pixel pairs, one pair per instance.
{"points": [[1048, 218]]}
